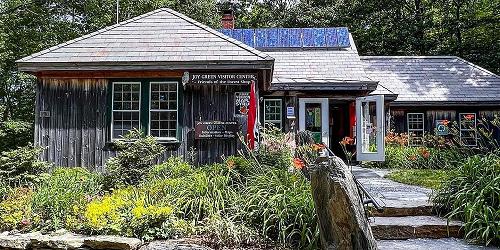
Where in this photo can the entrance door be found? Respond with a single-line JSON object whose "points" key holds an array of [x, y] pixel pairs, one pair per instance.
{"points": [[313, 116], [370, 131]]}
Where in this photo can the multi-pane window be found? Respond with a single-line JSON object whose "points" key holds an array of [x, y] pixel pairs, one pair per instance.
{"points": [[126, 107], [468, 134], [163, 110], [415, 123], [273, 112]]}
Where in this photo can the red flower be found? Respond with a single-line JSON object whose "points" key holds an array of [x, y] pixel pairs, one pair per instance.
{"points": [[425, 153], [298, 163], [445, 122], [469, 116], [318, 146], [347, 141]]}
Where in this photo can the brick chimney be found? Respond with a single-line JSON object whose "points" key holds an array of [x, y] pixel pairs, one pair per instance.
{"points": [[228, 19]]}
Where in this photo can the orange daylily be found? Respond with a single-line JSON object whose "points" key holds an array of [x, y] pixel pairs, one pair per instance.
{"points": [[347, 141], [230, 164], [298, 163], [318, 146], [469, 116]]}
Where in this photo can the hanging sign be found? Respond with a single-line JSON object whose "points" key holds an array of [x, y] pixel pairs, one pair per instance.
{"points": [[222, 78], [241, 103], [216, 130], [442, 127]]}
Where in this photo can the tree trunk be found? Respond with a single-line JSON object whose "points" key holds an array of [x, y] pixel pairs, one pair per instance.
{"points": [[342, 220]]}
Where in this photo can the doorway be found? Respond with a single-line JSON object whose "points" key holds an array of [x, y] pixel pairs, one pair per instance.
{"points": [[313, 117], [339, 123]]}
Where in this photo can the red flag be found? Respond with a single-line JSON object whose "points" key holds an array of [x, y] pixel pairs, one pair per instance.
{"points": [[252, 113]]}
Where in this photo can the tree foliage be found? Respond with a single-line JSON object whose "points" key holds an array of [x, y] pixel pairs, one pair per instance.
{"points": [[467, 28]]}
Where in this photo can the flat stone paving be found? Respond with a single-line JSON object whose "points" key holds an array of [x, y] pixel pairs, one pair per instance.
{"points": [[429, 244], [390, 193]]}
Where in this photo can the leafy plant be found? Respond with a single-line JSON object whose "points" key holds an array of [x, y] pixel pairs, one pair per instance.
{"points": [[221, 231], [136, 156], [279, 204], [275, 149], [58, 197], [174, 167], [14, 134], [472, 194], [21, 167], [15, 210]]}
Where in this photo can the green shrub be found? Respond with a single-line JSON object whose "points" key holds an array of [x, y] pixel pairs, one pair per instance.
{"points": [[174, 167], [405, 157], [131, 211], [21, 167], [472, 194], [280, 205], [15, 210], [58, 197], [275, 149], [136, 156], [221, 231], [14, 134]]}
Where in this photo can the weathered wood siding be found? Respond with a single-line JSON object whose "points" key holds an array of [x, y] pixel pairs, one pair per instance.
{"points": [[72, 123], [74, 133], [431, 114]]}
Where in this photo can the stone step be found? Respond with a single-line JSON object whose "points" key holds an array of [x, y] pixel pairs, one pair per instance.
{"points": [[410, 227], [401, 211]]}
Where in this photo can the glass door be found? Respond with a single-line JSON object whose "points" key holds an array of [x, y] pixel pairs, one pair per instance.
{"points": [[370, 131], [313, 117]]}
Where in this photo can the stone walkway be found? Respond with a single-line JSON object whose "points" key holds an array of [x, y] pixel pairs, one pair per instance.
{"points": [[406, 207], [390, 193], [429, 244]]}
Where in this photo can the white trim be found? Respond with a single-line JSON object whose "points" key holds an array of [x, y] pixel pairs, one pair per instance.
{"points": [[281, 112], [361, 155], [467, 129], [325, 134], [164, 110], [408, 128], [129, 110]]}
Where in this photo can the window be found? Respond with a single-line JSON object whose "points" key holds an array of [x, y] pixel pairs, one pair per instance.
{"points": [[152, 106], [415, 123], [468, 129], [125, 108], [273, 113], [163, 110]]}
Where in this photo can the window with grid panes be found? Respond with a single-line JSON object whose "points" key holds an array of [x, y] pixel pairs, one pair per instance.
{"points": [[126, 108], [468, 134], [273, 112], [163, 110], [415, 122]]}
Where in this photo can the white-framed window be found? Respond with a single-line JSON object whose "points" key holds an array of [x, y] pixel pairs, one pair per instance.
{"points": [[273, 113], [468, 135], [415, 122], [163, 110], [126, 108]]}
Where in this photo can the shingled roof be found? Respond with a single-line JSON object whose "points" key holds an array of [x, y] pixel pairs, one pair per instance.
{"points": [[161, 39], [433, 79], [319, 69]]}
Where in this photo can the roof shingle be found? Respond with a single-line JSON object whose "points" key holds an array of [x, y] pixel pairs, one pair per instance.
{"points": [[157, 36], [433, 78]]}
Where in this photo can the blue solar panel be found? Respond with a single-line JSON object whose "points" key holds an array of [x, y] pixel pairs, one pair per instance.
{"points": [[291, 37]]}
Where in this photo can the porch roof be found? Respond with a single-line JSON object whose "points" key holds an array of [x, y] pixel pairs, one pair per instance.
{"points": [[161, 39], [320, 69], [433, 79]]}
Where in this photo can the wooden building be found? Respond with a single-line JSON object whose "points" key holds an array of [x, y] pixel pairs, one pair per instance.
{"points": [[432, 89], [189, 86]]}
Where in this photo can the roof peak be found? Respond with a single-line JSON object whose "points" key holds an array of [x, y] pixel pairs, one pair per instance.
{"points": [[114, 29]]}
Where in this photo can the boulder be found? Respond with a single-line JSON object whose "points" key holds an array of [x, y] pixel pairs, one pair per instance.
{"points": [[173, 245], [112, 242], [14, 241], [341, 216]]}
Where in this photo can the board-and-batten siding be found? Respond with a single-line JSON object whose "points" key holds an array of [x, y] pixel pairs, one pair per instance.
{"points": [[72, 126], [76, 131]]}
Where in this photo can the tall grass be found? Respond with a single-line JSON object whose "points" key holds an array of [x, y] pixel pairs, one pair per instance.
{"points": [[472, 194]]}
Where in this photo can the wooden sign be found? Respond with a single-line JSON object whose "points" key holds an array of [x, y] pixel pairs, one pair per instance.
{"points": [[221, 78], [241, 103], [216, 130]]}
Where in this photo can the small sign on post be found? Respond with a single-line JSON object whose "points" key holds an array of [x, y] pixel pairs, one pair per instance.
{"points": [[216, 130], [290, 112], [442, 127]]}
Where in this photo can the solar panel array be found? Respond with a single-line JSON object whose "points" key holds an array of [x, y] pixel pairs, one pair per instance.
{"points": [[291, 37]]}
